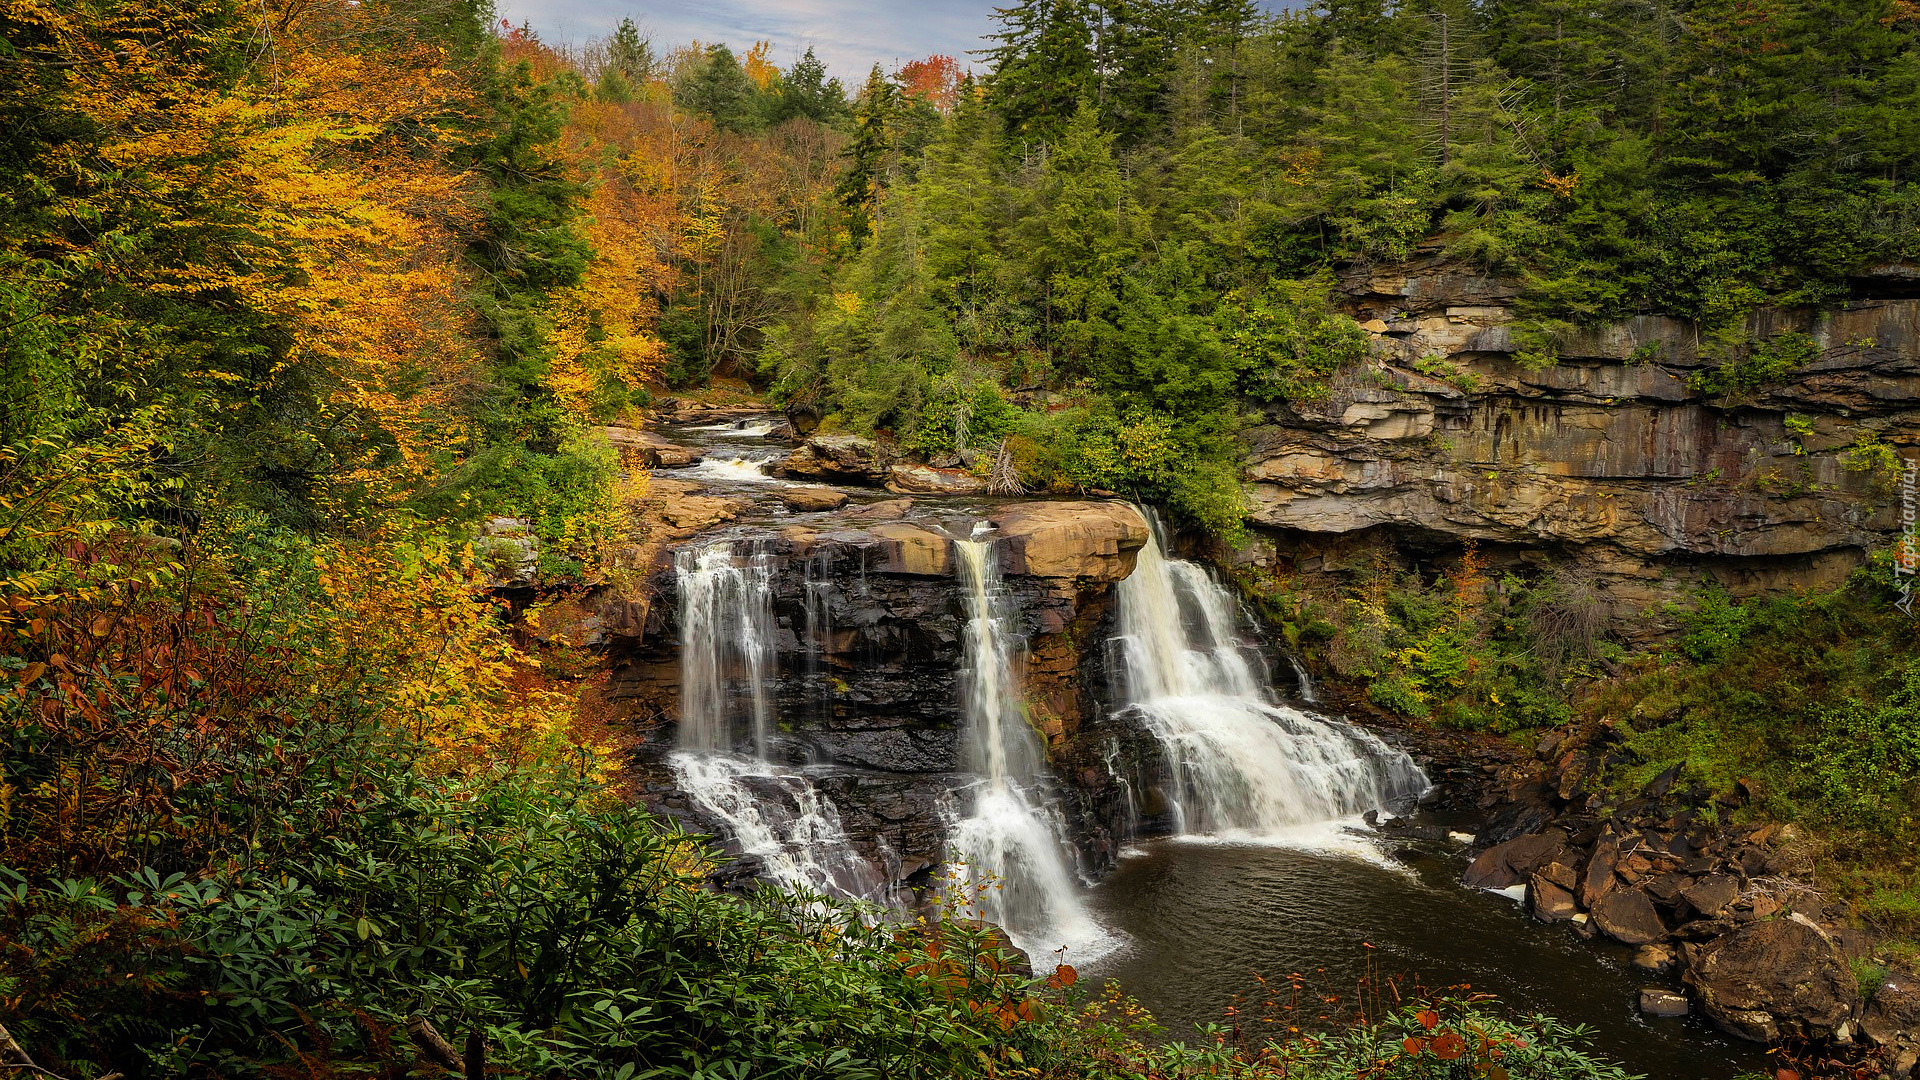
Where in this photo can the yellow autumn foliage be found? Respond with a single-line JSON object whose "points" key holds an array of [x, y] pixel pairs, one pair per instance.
{"points": [[418, 613]]}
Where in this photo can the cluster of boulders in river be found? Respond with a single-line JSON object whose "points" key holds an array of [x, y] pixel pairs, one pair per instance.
{"points": [[1722, 906]]}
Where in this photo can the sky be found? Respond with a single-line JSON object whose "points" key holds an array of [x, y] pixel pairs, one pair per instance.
{"points": [[849, 35]]}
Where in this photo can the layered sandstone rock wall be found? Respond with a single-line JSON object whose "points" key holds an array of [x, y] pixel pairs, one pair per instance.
{"points": [[1608, 457]]}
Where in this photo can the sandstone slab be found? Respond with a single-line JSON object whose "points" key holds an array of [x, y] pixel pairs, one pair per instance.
{"points": [[813, 499], [1093, 541], [927, 480], [912, 549]]}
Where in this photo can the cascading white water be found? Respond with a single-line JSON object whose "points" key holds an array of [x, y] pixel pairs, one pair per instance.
{"points": [[1012, 855], [1304, 681], [746, 429], [726, 645], [783, 821], [727, 665], [1241, 766], [737, 470]]}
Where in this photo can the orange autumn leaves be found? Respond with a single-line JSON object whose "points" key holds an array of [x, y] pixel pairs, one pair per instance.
{"points": [[1481, 1050]]}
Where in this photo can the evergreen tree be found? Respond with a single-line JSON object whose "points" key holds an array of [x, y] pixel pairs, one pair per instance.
{"points": [[860, 187], [720, 89], [1042, 67], [808, 92], [1133, 58], [1079, 235], [962, 200], [630, 54]]}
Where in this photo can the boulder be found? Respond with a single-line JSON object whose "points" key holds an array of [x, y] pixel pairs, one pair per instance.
{"points": [[813, 499], [1782, 978], [1665, 888], [926, 480], [1562, 875], [1094, 541], [1627, 916], [884, 510], [1894, 1012], [1549, 902], [850, 458], [1657, 1002], [1711, 895], [1599, 880], [1655, 958], [1512, 863]]}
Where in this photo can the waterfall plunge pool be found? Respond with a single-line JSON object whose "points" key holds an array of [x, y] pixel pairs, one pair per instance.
{"points": [[1199, 919]]}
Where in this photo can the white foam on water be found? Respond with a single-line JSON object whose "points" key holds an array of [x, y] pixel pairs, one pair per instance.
{"points": [[735, 470], [779, 818], [1239, 766], [748, 429]]}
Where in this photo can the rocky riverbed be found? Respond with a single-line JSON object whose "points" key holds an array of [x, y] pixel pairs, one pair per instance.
{"points": [[1723, 917]]}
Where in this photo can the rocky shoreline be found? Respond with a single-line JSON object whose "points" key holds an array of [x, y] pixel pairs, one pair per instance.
{"points": [[1721, 913]]}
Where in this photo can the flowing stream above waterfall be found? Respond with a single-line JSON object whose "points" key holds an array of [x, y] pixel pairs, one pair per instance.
{"points": [[1239, 766]]}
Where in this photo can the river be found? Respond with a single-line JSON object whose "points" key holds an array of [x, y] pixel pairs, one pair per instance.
{"points": [[1198, 920]]}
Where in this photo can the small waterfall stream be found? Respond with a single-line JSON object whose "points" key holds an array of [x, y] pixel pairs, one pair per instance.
{"points": [[776, 816], [1241, 766], [1012, 850], [726, 655]]}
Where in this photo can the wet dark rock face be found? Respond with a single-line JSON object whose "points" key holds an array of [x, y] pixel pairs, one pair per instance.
{"points": [[869, 625]]}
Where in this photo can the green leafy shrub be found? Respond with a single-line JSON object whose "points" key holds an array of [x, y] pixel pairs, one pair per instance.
{"points": [[1741, 367], [1286, 341]]}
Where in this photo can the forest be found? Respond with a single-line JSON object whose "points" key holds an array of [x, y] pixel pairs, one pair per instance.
{"points": [[298, 296]]}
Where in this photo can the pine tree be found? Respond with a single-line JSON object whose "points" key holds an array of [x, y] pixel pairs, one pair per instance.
{"points": [[808, 92], [963, 199], [860, 188], [1079, 233], [720, 89], [1042, 67], [1133, 59], [630, 54]]}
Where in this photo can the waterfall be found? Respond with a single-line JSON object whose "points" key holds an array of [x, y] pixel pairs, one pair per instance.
{"points": [[776, 816], [1240, 765], [783, 822], [819, 597], [1012, 853], [726, 650], [1304, 680]]}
